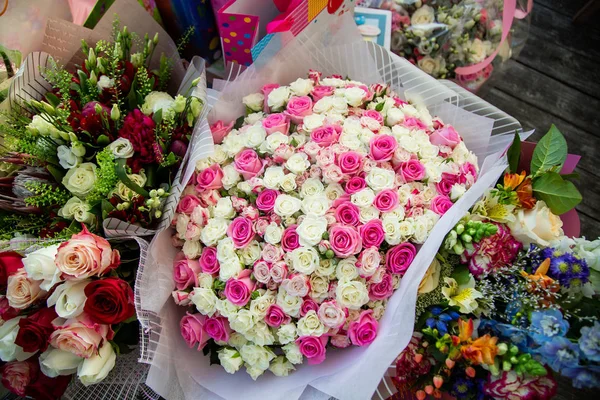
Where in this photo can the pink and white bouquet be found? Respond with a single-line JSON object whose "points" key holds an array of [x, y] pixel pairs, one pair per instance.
{"points": [[300, 226]]}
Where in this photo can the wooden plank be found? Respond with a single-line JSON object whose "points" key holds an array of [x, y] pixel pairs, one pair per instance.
{"points": [[588, 209], [556, 98], [565, 7]]}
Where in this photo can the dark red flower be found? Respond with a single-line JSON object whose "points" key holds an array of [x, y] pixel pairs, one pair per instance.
{"points": [[10, 262], [6, 311], [109, 301], [35, 330], [18, 375], [139, 130], [45, 388]]}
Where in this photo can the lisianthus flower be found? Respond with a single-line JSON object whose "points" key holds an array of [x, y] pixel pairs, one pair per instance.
{"points": [[463, 296]]}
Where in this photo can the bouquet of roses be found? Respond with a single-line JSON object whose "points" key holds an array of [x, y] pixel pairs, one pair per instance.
{"points": [[67, 309], [299, 227], [103, 142], [509, 298]]}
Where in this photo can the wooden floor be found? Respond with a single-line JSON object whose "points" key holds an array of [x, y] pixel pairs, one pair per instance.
{"points": [[556, 79]]}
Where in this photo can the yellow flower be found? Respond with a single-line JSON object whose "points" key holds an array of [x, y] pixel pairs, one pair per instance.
{"points": [[490, 208], [512, 181], [431, 280], [464, 296]]}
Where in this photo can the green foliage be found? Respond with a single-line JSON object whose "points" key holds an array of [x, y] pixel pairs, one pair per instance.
{"points": [[185, 39], [514, 154], [12, 224], [144, 83], [61, 79], [559, 194], [45, 195], [164, 72], [549, 153], [122, 176], [106, 176]]}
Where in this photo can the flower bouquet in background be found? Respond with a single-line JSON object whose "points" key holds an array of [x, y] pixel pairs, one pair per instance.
{"points": [[442, 36], [104, 142], [509, 299], [67, 310], [299, 227]]}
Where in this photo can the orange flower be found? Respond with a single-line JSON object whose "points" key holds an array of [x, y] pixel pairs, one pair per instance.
{"points": [[482, 351], [525, 194], [539, 282], [465, 330], [511, 181]]}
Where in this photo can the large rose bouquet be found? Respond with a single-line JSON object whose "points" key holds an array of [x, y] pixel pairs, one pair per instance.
{"points": [[104, 142], [299, 227], [65, 308], [509, 299]]}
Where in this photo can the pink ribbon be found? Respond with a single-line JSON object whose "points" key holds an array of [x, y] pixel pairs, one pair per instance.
{"points": [[509, 13]]}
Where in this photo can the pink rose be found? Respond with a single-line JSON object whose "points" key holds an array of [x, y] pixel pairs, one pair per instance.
{"points": [[250, 212], [276, 316], [348, 213], [445, 136], [372, 233], [86, 255], [364, 331], [217, 328], [339, 201], [238, 203], [345, 240], [181, 298], [440, 204], [219, 130], [383, 147], [17, 376], [313, 348], [376, 115], [248, 163], [22, 291], [468, 173], [192, 330], [319, 92], [331, 314], [208, 261], [277, 122], [411, 170], [399, 258], [279, 271], [296, 285], [298, 107], [355, 184], [412, 122], [265, 201], [350, 162], [261, 271], [333, 174], [271, 253], [260, 225], [341, 341], [383, 289], [238, 290], [325, 157], [368, 262], [210, 178], [209, 197], [241, 232], [185, 273], [308, 305], [444, 186], [265, 91], [289, 239], [386, 200], [187, 204], [80, 336], [326, 135]]}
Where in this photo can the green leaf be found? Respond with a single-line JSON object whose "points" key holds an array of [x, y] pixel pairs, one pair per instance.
{"points": [[122, 174], [551, 151], [573, 175], [560, 195], [461, 275], [238, 123], [103, 140], [157, 117], [106, 207], [52, 99], [380, 106], [56, 172], [514, 154]]}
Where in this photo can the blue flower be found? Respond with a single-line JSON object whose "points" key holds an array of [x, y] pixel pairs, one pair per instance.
{"points": [[440, 319], [560, 353], [583, 377], [516, 335], [547, 324], [589, 343], [462, 387]]}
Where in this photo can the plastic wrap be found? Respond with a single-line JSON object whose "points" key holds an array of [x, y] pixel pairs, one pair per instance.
{"points": [[462, 40], [178, 373]]}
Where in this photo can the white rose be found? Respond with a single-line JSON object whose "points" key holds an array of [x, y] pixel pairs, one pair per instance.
{"points": [[408, 143], [9, 351], [203, 164], [312, 122], [286, 206], [334, 191], [230, 176], [229, 267], [233, 143], [288, 303], [155, 101], [332, 315], [392, 229], [56, 362], [311, 187], [281, 366], [338, 106], [69, 298], [424, 15], [254, 101], [257, 356], [394, 116], [311, 229], [67, 158], [368, 213], [215, 229], [323, 105], [94, 369], [224, 208], [230, 359], [352, 294], [273, 141], [205, 300], [430, 65], [363, 198], [479, 50], [261, 304], [124, 192], [298, 163], [278, 97], [407, 229], [254, 372], [326, 268], [457, 192], [255, 136], [287, 333], [379, 179], [254, 118], [39, 125], [260, 334], [346, 269], [315, 205], [537, 225], [243, 321], [77, 209], [81, 179], [237, 340], [205, 281], [105, 83], [226, 308], [335, 82], [397, 213], [225, 249], [292, 353], [181, 225], [354, 96], [310, 325], [273, 177], [250, 253], [121, 148], [301, 87], [40, 266], [273, 233], [192, 249], [305, 260], [219, 156], [288, 183]]}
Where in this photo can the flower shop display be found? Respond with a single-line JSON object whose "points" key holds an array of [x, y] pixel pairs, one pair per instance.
{"points": [[509, 301], [67, 310], [104, 142], [442, 37]]}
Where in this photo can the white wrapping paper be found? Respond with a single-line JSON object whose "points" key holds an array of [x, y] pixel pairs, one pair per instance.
{"points": [[178, 372]]}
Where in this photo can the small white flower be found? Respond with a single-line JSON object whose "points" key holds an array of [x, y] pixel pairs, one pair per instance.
{"points": [[121, 148]]}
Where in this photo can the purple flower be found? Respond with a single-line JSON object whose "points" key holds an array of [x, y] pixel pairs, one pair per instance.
{"points": [[560, 353], [569, 270]]}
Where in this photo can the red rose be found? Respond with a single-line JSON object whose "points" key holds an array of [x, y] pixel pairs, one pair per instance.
{"points": [[10, 262], [139, 130], [6, 311], [109, 301], [35, 330], [45, 388], [16, 376]]}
